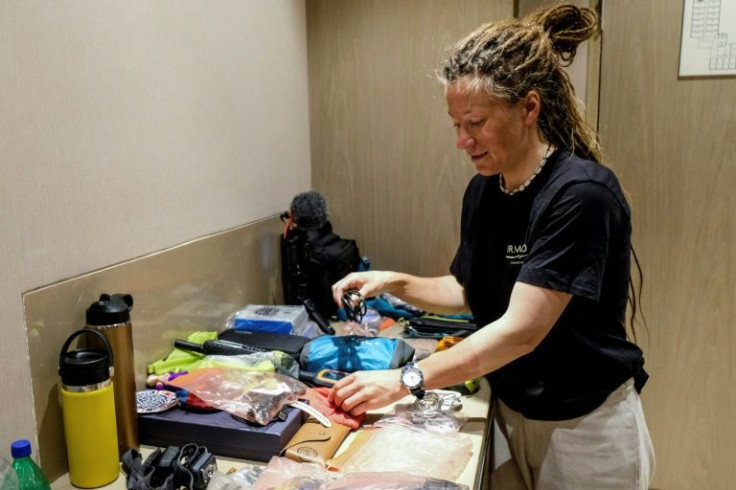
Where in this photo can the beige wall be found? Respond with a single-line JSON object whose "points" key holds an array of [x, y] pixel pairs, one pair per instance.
{"points": [[127, 127], [383, 147], [672, 143]]}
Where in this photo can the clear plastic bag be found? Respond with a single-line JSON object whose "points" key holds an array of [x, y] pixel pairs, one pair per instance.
{"points": [[8, 477], [359, 329], [255, 396], [243, 479], [391, 481], [183, 360], [407, 450], [258, 361], [285, 473], [437, 411], [282, 473]]}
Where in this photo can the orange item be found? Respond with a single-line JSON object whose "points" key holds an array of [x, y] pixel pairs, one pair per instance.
{"points": [[386, 323], [448, 342]]}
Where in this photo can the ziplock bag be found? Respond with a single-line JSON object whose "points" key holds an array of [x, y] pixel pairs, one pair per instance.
{"points": [[408, 450], [255, 396]]}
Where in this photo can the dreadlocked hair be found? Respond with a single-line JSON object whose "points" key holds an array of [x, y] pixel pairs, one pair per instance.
{"points": [[510, 58]]}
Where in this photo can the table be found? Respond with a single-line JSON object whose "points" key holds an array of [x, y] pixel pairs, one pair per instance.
{"points": [[474, 406]]}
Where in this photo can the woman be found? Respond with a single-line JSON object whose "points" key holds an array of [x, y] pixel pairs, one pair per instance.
{"points": [[543, 264]]}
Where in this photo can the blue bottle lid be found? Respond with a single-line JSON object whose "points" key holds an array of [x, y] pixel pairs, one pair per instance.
{"points": [[20, 448]]}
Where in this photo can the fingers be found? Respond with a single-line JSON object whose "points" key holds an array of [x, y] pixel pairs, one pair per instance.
{"points": [[360, 408], [354, 280], [343, 389], [353, 400], [368, 283], [366, 390], [337, 396]]}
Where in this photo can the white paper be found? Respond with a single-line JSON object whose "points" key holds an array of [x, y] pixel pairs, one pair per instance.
{"points": [[708, 46]]}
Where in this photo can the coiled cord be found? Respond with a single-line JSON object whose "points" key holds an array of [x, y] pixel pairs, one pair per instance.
{"points": [[354, 305]]}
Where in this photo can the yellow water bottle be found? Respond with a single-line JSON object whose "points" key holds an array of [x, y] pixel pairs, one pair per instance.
{"points": [[88, 406]]}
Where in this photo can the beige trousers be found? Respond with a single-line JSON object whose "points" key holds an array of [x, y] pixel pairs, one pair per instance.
{"points": [[608, 448]]}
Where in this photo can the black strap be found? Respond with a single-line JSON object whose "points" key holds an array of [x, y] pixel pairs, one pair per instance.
{"points": [[491, 436], [182, 476], [140, 473]]}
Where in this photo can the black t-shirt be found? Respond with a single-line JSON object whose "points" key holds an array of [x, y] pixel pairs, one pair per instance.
{"points": [[569, 231]]}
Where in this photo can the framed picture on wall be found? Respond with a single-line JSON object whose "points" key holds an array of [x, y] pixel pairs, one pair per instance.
{"points": [[708, 41]]}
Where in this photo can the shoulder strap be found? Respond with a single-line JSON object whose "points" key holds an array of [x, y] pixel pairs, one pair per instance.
{"points": [[139, 474]]}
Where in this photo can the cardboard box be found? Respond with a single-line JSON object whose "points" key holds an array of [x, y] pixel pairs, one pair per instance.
{"points": [[223, 434]]}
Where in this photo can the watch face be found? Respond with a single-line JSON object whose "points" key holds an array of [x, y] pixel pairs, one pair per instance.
{"points": [[411, 378]]}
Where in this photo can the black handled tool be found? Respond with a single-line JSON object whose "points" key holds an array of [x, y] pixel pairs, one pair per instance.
{"points": [[218, 347], [315, 315]]}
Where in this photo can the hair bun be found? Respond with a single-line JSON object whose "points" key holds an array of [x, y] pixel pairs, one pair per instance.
{"points": [[567, 26]]}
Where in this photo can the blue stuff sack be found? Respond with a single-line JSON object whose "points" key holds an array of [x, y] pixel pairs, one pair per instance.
{"points": [[352, 353]]}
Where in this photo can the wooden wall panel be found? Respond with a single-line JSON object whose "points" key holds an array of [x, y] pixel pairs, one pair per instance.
{"points": [[383, 149], [672, 141]]}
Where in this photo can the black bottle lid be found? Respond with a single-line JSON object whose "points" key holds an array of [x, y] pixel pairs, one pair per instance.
{"points": [[84, 367], [109, 310]]}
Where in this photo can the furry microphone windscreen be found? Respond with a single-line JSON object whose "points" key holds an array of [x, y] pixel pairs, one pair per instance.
{"points": [[309, 210]]}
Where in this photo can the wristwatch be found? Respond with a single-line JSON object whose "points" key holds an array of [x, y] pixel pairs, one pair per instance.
{"points": [[413, 378]]}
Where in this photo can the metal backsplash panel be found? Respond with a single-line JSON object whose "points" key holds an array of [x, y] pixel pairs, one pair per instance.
{"points": [[190, 287]]}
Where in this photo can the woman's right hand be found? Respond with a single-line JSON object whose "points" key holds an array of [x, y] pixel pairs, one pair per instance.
{"points": [[369, 283]]}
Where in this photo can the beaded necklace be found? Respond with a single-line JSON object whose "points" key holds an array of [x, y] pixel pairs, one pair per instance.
{"points": [[528, 181]]}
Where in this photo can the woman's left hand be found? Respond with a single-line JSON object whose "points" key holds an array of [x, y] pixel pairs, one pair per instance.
{"points": [[367, 390]]}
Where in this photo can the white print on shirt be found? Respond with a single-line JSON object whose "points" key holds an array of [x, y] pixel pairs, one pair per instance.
{"points": [[515, 254]]}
